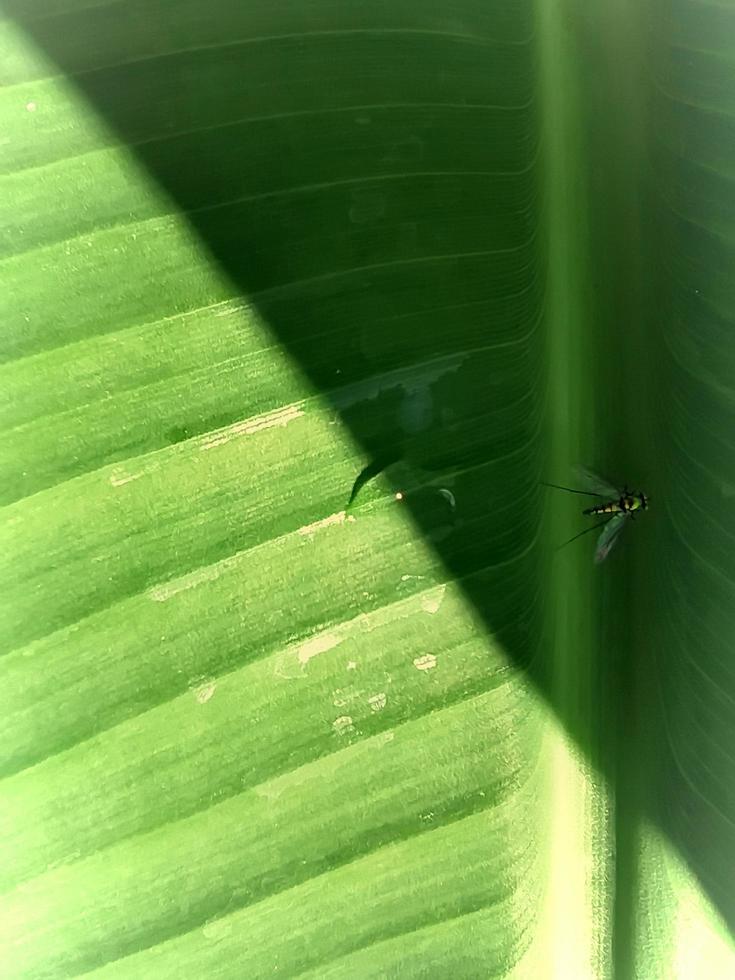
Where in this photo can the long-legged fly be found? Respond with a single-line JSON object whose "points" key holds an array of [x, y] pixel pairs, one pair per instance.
{"points": [[618, 506]]}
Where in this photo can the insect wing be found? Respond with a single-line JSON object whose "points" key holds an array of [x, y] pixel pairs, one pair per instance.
{"points": [[609, 536], [595, 484]]}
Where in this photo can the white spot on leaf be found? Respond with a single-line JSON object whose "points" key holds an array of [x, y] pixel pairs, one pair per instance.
{"points": [[210, 573], [271, 420], [330, 521], [205, 692], [431, 601], [427, 662], [377, 702], [120, 481], [317, 645], [343, 725]]}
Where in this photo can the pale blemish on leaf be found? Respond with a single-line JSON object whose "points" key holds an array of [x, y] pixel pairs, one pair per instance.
{"points": [[432, 600], [427, 662], [330, 521], [209, 573], [120, 481], [343, 725], [205, 691], [270, 420], [318, 644], [291, 662], [377, 702]]}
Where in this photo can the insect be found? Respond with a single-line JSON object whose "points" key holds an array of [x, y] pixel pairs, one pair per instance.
{"points": [[618, 506]]}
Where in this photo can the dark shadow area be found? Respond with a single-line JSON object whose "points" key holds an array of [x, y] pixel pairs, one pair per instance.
{"points": [[671, 689], [368, 180]]}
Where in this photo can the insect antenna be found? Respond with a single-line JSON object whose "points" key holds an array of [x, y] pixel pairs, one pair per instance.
{"points": [[585, 493], [586, 531]]}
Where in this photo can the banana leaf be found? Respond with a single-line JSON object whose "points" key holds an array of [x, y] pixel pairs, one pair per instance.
{"points": [[301, 303]]}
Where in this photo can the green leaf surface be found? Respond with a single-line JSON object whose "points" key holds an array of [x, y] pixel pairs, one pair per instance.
{"points": [[246, 252]]}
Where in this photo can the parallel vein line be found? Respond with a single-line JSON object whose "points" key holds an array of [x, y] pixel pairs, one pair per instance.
{"points": [[175, 214], [265, 39], [161, 137]]}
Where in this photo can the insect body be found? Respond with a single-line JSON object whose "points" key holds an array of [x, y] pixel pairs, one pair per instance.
{"points": [[618, 506], [627, 503]]}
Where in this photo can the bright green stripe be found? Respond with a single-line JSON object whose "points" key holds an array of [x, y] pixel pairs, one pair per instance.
{"points": [[420, 788], [349, 681]]}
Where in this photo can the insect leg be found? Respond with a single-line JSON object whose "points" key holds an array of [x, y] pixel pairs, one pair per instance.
{"points": [[586, 531]]}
